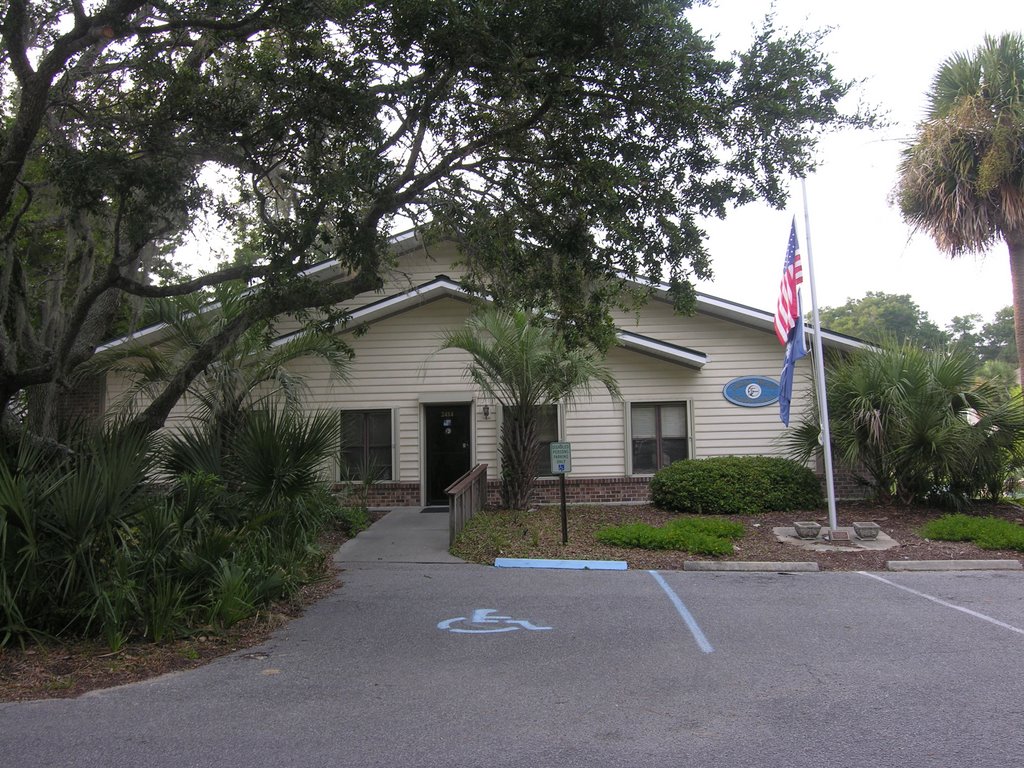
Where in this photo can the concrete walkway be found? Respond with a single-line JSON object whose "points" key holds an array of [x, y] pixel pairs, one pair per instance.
{"points": [[403, 535]]}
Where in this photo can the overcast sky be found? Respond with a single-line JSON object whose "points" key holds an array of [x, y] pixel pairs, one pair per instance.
{"points": [[859, 242]]}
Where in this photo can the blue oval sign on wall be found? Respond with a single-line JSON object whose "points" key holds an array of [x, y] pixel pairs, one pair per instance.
{"points": [[752, 391]]}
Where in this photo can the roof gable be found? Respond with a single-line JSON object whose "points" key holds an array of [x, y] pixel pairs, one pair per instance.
{"points": [[445, 287]]}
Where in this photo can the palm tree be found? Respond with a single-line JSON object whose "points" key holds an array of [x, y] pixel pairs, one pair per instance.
{"points": [[962, 179], [916, 422], [251, 374], [524, 365]]}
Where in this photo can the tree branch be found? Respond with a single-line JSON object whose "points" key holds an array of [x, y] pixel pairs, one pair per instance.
{"points": [[13, 29], [263, 306], [181, 289], [36, 85]]}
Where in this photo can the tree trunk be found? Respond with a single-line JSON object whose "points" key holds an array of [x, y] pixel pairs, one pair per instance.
{"points": [[39, 407], [518, 457], [1016, 246]]}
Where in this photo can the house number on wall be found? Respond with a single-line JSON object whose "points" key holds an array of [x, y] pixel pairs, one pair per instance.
{"points": [[447, 418]]}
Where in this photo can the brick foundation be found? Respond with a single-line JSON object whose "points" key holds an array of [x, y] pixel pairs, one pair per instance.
{"points": [[382, 494], [847, 485], [593, 490], [83, 404], [597, 490]]}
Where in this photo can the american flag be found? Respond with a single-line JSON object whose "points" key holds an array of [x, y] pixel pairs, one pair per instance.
{"points": [[788, 309]]}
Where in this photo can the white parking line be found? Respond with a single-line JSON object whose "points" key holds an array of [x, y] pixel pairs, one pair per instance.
{"points": [[691, 623], [945, 603]]}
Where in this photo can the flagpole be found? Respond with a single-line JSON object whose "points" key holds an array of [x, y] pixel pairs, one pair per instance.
{"points": [[819, 369]]}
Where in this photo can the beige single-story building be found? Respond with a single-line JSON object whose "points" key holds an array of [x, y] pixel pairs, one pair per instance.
{"points": [[692, 387]]}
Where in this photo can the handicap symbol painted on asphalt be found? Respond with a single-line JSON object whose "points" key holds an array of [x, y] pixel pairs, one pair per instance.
{"points": [[482, 622]]}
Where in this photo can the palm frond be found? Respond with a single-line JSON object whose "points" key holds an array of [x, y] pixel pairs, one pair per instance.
{"points": [[916, 420], [962, 179], [524, 364]]}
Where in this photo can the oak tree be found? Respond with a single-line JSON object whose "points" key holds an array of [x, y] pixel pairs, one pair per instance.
{"points": [[560, 142]]}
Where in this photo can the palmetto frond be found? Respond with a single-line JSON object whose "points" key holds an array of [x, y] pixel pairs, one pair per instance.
{"points": [[958, 77], [915, 420], [251, 372], [962, 180]]}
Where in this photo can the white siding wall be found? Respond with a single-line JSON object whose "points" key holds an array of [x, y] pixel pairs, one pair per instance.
{"points": [[594, 426], [397, 366], [117, 388], [720, 427], [416, 266], [420, 265]]}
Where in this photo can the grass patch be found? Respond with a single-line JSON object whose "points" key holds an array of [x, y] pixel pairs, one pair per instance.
{"points": [[699, 536], [538, 533], [492, 534], [986, 532]]}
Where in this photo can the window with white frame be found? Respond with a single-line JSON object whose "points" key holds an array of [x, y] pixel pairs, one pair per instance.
{"points": [[659, 435], [547, 433], [366, 444]]}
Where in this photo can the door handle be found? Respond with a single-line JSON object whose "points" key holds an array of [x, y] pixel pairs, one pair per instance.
{"points": [[465, 445]]}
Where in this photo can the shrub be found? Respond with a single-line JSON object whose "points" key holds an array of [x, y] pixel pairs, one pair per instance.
{"points": [[62, 520], [700, 536], [352, 520], [986, 532], [87, 548], [736, 485], [494, 533], [917, 423]]}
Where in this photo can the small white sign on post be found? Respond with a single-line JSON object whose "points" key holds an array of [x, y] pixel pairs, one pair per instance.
{"points": [[561, 458], [561, 464]]}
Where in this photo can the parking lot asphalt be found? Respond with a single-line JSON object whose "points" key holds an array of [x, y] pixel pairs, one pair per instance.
{"points": [[465, 665]]}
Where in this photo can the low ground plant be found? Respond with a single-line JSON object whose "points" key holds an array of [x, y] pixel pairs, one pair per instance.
{"points": [[352, 519], [986, 532], [492, 533], [90, 547], [699, 536]]}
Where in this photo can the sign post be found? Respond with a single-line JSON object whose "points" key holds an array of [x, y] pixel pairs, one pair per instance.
{"points": [[561, 465]]}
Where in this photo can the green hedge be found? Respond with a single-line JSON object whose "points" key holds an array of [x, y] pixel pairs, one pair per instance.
{"points": [[736, 485]]}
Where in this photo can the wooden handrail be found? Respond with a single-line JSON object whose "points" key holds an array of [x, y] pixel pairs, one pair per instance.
{"points": [[463, 482], [466, 497]]}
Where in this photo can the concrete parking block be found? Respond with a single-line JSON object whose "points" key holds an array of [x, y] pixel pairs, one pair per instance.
{"points": [[953, 565]]}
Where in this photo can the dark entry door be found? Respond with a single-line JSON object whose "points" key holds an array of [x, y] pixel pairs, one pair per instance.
{"points": [[447, 443]]}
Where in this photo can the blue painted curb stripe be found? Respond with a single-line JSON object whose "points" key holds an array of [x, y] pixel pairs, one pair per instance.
{"points": [[581, 565], [691, 623]]}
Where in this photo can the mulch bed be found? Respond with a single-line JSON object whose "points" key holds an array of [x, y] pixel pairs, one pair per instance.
{"points": [[538, 534]]}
